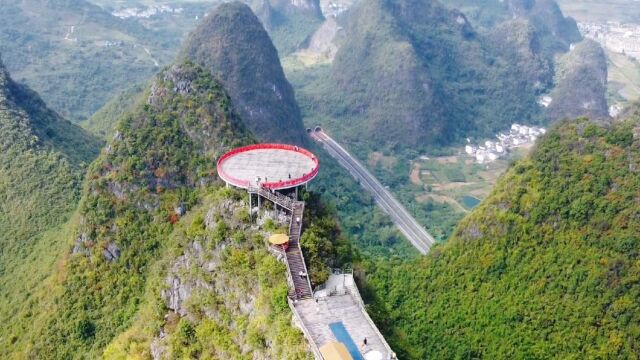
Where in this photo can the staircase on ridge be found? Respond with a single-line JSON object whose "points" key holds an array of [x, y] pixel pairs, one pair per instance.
{"points": [[295, 259]]}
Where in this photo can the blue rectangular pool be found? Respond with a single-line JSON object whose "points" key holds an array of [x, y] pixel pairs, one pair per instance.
{"points": [[341, 334]]}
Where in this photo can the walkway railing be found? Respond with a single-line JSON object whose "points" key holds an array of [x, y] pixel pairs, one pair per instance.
{"points": [[356, 294], [269, 185], [298, 211], [305, 331], [284, 201]]}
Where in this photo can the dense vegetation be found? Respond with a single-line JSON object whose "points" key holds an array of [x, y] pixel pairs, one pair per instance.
{"points": [[103, 123], [160, 153], [546, 267], [233, 45], [78, 71], [42, 160], [161, 260], [554, 31]]}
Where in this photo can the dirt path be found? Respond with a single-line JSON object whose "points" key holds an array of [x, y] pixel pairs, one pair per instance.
{"points": [[415, 175]]}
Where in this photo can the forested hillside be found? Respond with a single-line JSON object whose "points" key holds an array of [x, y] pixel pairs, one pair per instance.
{"points": [[129, 275], [42, 160], [139, 251], [232, 44], [104, 121], [216, 293], [161, 153], [546, 267], [555, 31]]}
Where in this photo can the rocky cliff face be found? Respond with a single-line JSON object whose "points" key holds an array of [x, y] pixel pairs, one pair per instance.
{"points": [[581, 84], [233, 45], [223, 286]]}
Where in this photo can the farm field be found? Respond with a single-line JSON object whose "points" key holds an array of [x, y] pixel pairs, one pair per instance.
{"points": [[624, 78], [439, 190], [457, 180]]}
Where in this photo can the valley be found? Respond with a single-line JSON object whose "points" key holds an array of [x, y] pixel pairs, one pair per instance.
{"points": [[413, 231]]}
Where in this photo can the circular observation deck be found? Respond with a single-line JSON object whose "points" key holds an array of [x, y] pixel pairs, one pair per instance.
{"points": [[272, 166]]}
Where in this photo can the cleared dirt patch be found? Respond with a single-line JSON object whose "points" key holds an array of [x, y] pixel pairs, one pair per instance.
{"points": [[489, 176], [451, 186], [480, 193], [415, 175], [447, 159]]}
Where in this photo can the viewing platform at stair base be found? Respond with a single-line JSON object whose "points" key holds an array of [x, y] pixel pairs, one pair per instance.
{"points": [[337, 313]]}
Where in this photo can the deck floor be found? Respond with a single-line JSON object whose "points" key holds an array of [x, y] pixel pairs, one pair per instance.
{"points": [[339, 308], [271, 165]]}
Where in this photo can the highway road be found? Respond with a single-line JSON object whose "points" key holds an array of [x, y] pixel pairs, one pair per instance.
{"points": [[413, 231]]}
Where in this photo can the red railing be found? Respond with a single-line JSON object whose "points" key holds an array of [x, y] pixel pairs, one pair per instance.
{"points": [[269, 185]]}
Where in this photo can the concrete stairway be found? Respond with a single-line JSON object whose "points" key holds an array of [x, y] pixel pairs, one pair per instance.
{"points": [[295, 259]]}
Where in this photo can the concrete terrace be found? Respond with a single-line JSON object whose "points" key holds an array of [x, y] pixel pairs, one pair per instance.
{"points": [[340, 301]]}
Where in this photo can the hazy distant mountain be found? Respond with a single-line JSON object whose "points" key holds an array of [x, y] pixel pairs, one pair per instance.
{"points": [[289, 22], [414, 74], [555, 31], [77, 55], [581, 83], [233, 45]]}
